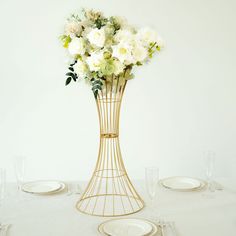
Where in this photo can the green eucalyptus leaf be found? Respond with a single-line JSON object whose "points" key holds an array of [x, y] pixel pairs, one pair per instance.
{"points": [[68, 80], [97, 82], [95, 94], [70, 74], [74, 76], [96, 87]]}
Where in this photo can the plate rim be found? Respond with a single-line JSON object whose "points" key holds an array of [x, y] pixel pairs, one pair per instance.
{"points": [[61, 183], [153, 225], [201, 186]]}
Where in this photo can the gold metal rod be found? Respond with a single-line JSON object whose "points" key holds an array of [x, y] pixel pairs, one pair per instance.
{"points": [[110, 191]]}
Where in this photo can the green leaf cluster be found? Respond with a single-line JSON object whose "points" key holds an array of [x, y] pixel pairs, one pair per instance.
{"points": [[75, 17], [66, 39], [100, 22], [152, 49], [71, 75], [96, 86], [114, 23]]}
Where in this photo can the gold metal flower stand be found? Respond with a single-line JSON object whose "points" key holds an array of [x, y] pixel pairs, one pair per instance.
{"points": [[110, 191]]}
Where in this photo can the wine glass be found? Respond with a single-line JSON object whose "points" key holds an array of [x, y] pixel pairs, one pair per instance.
{"points": [[2, 185], [20, 170], [2, 191], [152, 177], [209, 157]]}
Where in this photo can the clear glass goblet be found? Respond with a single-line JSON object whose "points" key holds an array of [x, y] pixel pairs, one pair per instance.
{"points": [[210, 164], [209, 160], [152, 178], [2, 193], [2, 185], [20, 170]]}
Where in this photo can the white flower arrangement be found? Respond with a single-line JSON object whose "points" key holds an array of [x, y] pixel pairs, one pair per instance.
{"points": [[102, 48]]}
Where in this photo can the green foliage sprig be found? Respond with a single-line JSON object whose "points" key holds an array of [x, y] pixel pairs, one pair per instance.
{"points": [[71, 75]]}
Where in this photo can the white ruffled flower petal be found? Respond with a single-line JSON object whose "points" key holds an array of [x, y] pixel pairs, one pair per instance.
{"points": [[139, 52], [124, 35], [94, 61], [122, 52], [80, 68], [97, 37], [147, 36], [76, 46]]}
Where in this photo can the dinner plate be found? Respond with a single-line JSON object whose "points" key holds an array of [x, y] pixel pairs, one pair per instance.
{"points": [[182, 183], [43, 187], [128, 227]]}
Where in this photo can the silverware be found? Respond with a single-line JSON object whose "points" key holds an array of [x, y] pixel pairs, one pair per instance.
{"points": [[173, 228], [69, 192], [162, 225], [78, 189], [217, 186]]}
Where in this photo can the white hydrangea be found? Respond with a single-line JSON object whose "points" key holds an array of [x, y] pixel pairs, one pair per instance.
{"points": [[97, 37], [123, 52], [77, 46], [94, 61], [147, 36], [80, 68]]}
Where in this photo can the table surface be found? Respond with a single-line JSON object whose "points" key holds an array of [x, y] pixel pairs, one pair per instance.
{"points": [[194, 213]]}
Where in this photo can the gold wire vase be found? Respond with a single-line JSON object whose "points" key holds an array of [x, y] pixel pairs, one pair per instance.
{"points": [[110, 191]]}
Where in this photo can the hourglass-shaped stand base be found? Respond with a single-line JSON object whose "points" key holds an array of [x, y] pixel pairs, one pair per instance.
{"points": [[110, 191]]}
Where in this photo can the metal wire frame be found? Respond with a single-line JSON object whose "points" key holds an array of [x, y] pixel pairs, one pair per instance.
{"points": [[110, 191]]}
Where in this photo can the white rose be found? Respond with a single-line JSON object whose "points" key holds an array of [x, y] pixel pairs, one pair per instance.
{"points": [[76, 46], [94, 61], [73, 28], [124, 35], [139, 52], [97, 37], [80, 69], [119, 67], [122, 52], [147, 36]]}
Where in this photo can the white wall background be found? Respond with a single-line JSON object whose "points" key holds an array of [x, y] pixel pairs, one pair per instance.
{"points": [[178, 106]]}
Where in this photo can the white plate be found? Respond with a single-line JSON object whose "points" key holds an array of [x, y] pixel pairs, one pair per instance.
{"points": [[128, 227], [182, 183], [43, 187]]}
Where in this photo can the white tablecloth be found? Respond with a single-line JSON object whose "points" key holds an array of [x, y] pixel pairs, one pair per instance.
{"points": [[55, 215]]}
